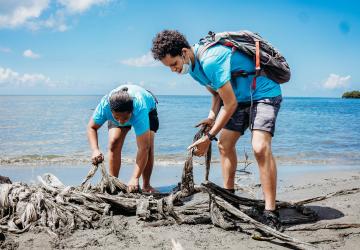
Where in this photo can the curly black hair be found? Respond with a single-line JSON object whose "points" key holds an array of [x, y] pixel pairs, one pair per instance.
{"points": [[168, 42]]}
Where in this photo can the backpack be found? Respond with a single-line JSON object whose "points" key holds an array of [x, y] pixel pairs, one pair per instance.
{"points": [[268, 60]]}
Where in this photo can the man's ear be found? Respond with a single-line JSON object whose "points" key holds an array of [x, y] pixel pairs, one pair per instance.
{"points": [[184, 51]]}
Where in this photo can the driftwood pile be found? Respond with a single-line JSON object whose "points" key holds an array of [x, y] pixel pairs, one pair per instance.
{"points": [[60, 209]]}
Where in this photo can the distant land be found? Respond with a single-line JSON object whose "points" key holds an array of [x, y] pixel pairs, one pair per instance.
{"points": [[351, 94]]}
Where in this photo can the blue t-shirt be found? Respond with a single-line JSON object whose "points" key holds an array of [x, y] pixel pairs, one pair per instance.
{"points": [[143, 103], [215, 67]]}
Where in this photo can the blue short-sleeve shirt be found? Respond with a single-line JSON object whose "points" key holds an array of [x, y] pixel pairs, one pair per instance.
{"points": [[214, 70], [143, 103]]}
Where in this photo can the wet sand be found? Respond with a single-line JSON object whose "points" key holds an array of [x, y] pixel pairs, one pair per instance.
{"points": [[294, 184]]}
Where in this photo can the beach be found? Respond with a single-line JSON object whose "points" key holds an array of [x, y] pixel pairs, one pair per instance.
{"points": [[131, 233]]}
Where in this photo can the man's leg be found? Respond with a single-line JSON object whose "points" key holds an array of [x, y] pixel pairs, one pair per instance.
{"points": [[261, 143], [149, 166], [116, 140], [226, 145]]}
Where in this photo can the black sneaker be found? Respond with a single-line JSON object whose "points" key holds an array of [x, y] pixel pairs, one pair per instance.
{"points": [[271, 218]]}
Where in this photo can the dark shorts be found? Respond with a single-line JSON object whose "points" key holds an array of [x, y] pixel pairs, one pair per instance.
{"points": [[153, 119], [263, 116]]}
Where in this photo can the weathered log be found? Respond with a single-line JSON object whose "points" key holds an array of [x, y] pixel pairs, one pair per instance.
{"points": [[320, 198], [197, 219], [319, 226], [218, 218], [4, 179], [2, 236], [207, 162], [187, 180]]}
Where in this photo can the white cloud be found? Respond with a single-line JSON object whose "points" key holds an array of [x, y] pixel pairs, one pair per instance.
{"points": [[30, 54], [10, 77], [32, 13], [335, 81], [146, 60], [79, 6], [56, 21], [17, 13]]}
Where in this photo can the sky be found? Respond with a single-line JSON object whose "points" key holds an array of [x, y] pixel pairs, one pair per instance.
{"points": [[88, 47]]}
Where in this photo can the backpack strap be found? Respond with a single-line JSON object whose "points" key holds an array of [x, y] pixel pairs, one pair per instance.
{"points": [[213, 39], [257, 63]]}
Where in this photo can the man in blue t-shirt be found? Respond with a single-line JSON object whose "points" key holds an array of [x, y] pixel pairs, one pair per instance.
{"points": [[126, 106], [242, 107]]}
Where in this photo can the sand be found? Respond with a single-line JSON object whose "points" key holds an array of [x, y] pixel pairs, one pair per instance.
{"points": [[130, 233]]}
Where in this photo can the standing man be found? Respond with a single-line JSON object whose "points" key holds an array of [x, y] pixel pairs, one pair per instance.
{"points": [[213, 70], [123, 107]]}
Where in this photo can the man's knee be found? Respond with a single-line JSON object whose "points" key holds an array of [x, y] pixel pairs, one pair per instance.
{"points": [[261, 148], [224, 146], [114, 144]]}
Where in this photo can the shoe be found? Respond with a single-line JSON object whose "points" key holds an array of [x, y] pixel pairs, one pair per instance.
{"points": [[271, 219]]}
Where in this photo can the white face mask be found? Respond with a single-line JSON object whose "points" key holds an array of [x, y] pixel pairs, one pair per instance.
{"points": [[186, 67]]}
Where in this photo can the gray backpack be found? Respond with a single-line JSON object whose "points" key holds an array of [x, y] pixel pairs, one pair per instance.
{"points": [[268, 60]]}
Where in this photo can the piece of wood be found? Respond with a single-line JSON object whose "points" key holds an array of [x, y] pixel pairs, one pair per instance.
{"points": [[4, 179], [319, 226], [245, 218]]}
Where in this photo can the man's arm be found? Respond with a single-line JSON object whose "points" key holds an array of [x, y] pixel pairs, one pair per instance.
{"points": [[227, 95], [92, 127], [214, 110], [215, 104]]}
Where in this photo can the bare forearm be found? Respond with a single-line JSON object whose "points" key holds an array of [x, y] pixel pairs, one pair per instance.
{"points": [[223, 118], [141, 160], [215, 107], [226, 94], [93, 138]]}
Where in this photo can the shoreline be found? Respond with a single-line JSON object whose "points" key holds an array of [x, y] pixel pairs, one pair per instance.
{"points": [[162, 175]]}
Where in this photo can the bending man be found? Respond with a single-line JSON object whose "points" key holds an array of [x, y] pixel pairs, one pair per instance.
{"points": [[123, 107], [213, 70]]}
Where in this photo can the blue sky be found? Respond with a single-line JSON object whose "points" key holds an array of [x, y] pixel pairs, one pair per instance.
{"points": [[91, 46]]}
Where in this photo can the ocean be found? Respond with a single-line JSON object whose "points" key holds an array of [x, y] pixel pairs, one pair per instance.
{"points": [[49, 132]]}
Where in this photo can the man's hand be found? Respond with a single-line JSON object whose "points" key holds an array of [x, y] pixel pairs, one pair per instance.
{"points": [[133, 185], [201, 146], [208, 122], [97, 157]]}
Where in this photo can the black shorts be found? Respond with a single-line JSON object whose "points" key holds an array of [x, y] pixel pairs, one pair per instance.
{"points": [[153, 120]]}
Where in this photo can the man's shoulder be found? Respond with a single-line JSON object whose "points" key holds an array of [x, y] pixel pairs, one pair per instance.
{"points": [[215, 55]]}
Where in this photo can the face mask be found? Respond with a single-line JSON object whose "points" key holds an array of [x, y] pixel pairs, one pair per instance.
{"points": [[186, 67]]}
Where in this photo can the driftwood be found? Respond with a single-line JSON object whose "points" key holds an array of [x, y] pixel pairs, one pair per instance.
{"points": [[319, 226], [247, 219], [324, 197], [58, 209], [4, 179]]}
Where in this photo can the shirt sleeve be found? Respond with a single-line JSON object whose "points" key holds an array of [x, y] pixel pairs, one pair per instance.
{"points": [[99, 115], [141, 122], [218, 69]]}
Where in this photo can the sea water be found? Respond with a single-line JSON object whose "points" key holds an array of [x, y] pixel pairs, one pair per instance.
{"points": [[49, 133]]}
